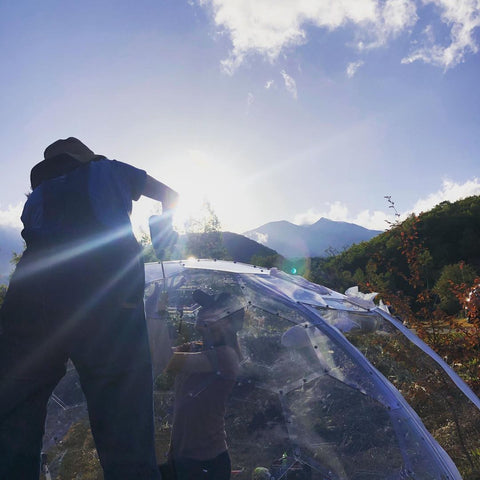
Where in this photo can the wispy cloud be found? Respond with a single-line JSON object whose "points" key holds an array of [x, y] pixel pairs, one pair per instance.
{"points": [[352, 68], [462, 17], [10, 216], [270, 27], [290, 84], [269, 84], [394, 18]]}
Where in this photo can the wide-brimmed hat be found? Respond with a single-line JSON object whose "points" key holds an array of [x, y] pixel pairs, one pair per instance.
{"points": [[71, 146], [217, 307], [61, 157]]}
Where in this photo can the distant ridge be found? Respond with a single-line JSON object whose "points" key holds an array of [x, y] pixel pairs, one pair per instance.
{"points": [[237, 248], [314, 240], [243, 249]]}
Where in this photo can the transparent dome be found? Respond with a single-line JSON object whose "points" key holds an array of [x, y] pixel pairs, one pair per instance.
{"points": [[330, 386]]}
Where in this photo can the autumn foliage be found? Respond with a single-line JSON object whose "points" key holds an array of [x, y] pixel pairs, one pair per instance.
{"points": [[454, 336], [426, 269]]}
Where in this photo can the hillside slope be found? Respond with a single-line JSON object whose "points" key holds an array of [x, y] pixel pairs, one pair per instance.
{"points": [[224, 246], [246, 250], [447, 234]]}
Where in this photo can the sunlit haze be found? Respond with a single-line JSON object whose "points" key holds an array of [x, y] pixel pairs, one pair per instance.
{"points": [[267, 110]]}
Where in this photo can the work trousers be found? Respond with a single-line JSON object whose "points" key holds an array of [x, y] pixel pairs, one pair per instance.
{"points": [[89, 309]]}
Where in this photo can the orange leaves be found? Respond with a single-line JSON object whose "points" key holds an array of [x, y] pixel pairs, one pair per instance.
{"points": [[453, 337]]}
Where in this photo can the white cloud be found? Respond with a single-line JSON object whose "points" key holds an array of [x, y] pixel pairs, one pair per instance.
{"points": [[308, 217], [462, 17], [450, 191], [397, 15], [10, 216], [271, 27], [269, 84], [259, 237], [352, 68], [338, 211], [268, 27], [374, 220], [393, 18], [290, 84], [378, 219]]}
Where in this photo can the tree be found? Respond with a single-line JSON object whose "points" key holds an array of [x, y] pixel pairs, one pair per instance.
{"points": [[14, 260], [424, 268], [148, 252], [268, 261], [3, 291], [204, 236], [452, 275], [420, 306]]}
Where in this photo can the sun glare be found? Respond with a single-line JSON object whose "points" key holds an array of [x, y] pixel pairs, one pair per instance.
{"points": [[198, 179]]}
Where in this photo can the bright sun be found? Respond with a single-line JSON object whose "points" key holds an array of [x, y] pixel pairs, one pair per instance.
{"points": [[197, 179]]}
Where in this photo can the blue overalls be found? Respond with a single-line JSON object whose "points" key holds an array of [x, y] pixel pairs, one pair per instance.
{"points": [[77, 293]]}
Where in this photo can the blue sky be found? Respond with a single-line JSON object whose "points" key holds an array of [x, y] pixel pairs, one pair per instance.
{"points": [[270, 110]]}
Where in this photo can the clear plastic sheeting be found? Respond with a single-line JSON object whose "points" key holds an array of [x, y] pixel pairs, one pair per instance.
{"points": [[327, 389], [446, 411], [157, 271]]}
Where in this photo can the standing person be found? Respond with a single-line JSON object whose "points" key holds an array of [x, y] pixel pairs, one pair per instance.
{"points": [[205, 375], [77, 293]]}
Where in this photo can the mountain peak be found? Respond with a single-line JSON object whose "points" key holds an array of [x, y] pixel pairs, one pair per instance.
{"points": [[314, 240], [322, 220]]}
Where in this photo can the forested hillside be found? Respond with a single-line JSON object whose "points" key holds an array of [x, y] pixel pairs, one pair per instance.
{"points": [[427, 270], [447, 235], [220, 246]]}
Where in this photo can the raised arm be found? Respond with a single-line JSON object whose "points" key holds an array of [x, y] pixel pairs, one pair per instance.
{"points": [[161, 192]]}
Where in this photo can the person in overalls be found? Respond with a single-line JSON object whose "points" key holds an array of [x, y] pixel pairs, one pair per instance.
{"points": [[77, 293]]}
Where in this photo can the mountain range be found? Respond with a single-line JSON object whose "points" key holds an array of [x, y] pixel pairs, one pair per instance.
{"points": [[287, 239], [317, 240]]}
